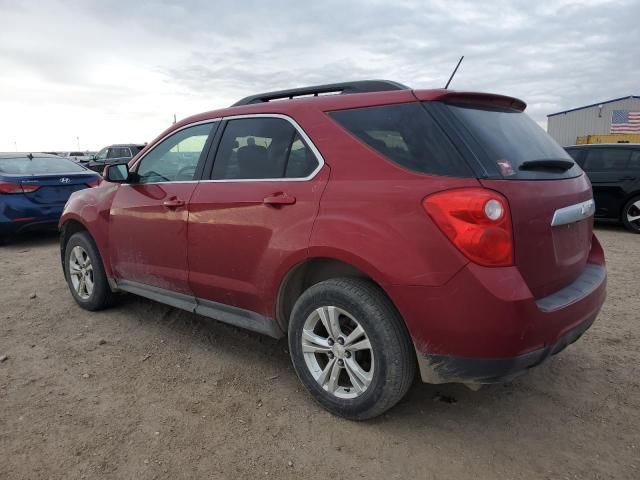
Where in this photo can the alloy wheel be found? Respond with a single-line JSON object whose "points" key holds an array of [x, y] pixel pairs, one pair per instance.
{"points": [[633, 215], [337, 352], [81, 272]]}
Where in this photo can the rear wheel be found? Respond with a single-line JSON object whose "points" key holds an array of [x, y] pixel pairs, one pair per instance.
{"points": [[631, 215], [350, 348], [85, 273]]}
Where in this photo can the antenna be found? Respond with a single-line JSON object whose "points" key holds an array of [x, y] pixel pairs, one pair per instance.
{"points": [[454, 72]]}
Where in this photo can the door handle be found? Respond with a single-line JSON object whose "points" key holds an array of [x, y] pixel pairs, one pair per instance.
{"points": [[628, 178], [279, 199], [173, 203]]}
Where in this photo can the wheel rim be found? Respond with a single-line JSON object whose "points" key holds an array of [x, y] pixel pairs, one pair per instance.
{"points": [[337, 352], [633, 214], [81, 272]]}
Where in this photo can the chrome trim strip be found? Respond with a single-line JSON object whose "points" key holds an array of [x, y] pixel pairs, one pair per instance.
{"points": [[238, 317], [573, 213]]}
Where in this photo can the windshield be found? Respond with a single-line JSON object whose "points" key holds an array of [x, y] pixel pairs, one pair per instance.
{"points": [[510, 144], [38, 166]]}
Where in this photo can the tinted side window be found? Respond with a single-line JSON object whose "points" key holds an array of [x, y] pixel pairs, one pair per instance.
{"points": [[102, 154], [258, 148], [574, 152], [176, 157], [407, 135], [606, 159], [118, 152]]}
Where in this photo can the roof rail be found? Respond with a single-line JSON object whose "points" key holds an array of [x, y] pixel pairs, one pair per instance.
{"points": [[362, 86]]}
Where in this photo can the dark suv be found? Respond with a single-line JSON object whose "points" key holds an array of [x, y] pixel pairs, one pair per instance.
{"points": [[614, 171], [380, 228], [113, 154]]}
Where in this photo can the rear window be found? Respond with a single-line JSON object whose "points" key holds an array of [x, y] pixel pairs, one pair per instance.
{"points": [[407, 135], [508, 143], [38, 166]]}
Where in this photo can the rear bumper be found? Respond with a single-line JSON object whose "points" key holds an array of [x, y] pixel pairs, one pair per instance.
{"points": [[13, 227], [484, 325], [445, 369]]}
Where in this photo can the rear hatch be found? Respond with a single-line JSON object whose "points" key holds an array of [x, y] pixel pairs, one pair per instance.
{"points": [[45, 180], [512, 155]]}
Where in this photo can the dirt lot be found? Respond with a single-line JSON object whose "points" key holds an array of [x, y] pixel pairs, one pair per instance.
{"points": [[146, 391]]}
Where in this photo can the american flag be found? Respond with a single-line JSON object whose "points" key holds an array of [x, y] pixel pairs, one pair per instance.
{"points": [[624, 121]]}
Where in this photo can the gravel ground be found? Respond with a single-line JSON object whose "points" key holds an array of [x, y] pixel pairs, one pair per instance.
{"points": [[146, 391]]}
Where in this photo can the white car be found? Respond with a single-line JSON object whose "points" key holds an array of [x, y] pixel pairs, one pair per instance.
{"points": [[78, 157]]}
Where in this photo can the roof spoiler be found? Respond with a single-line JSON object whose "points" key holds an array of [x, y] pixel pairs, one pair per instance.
{"points": [[362, 86], [480, 99]]}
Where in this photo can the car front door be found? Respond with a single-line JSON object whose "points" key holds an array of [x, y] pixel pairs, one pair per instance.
{"points": [[148, 223], [253, 218], [607, 170], [97, 164]]}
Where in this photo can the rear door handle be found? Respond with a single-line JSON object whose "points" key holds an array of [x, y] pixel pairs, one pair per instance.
{"points": [[173, 203], [624, 179], [279, 199]]}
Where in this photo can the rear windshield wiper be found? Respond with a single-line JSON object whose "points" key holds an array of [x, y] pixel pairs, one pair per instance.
{"points": [[547, 164]]}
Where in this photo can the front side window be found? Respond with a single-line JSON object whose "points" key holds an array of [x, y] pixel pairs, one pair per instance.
{"points": [[606, 159], [102, 155], [176, 157], [261, 148]]}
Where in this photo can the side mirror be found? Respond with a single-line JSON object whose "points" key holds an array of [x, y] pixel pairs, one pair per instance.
{"points": [[94, 157], [116, 173]]}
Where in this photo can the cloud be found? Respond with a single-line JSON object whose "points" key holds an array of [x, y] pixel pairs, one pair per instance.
{"points": [[116, 71]]}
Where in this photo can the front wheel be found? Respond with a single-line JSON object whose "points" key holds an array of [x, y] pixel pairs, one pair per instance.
{"points": [[631, 215], [350, 348], [85, 273]]}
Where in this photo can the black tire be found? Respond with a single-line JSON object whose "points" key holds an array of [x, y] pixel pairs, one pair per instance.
{"points": [[633, 210], [393, 355], [101, 297]]}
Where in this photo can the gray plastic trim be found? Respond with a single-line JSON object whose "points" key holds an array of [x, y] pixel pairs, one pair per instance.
{"points": [[590, 279], [217, 311]]}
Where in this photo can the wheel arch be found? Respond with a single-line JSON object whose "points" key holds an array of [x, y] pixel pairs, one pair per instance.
{"points": [[68, 228], [314, 270]]}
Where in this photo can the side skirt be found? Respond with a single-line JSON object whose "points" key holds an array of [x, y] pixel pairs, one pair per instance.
{"points": [[217, 311]]}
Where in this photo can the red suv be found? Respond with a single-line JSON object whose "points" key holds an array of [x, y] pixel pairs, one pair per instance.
{"points": [[380, 228]]}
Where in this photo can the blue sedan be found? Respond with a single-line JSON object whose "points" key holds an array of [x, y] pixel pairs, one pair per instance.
{"points": [[34, 189]]}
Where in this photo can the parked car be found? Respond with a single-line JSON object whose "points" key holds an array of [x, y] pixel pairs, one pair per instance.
{"points": [[34, 189], [78, 157], [113, 154], [382, 229], [614, 171]]}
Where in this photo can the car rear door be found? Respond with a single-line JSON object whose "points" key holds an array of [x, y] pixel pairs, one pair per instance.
{"points": [[252, 220], [607, 168], [148, 218]]}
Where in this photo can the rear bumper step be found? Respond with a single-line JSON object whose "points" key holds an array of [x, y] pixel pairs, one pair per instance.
{"points": [[590, 279]]}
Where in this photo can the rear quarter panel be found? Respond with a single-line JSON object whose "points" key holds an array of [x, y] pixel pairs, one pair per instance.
{"points": [[371, 213]]}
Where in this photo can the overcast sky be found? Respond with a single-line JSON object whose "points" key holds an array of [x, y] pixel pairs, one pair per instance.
{"points": [[117, 71]]}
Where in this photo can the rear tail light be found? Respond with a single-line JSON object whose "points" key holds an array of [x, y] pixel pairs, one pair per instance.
{"points": [[10, 188], [477, 221], [94, 183]]}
